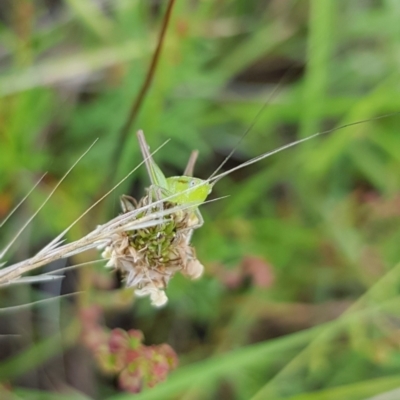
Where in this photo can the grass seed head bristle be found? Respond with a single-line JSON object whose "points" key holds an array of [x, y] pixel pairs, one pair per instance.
{"points": [[149, 257]]}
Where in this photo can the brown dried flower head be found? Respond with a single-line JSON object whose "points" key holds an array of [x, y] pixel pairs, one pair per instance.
{"points": [[149, 257]]}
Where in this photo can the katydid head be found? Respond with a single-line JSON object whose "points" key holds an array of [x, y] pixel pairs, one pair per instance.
{"points": [[188, 189]]}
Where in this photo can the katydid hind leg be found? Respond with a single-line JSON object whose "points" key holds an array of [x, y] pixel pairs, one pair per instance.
{"points": [[191, 163], [155, 174]]}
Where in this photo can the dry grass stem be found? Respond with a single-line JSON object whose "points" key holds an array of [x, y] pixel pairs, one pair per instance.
{"points": [[131, 221]]}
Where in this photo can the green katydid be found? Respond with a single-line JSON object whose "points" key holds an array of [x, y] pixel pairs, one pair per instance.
{"points": [[175, 185], [182, 190], [187, 190]]}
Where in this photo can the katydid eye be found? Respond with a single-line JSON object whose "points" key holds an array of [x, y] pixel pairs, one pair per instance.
{"points": [[192, 183]]}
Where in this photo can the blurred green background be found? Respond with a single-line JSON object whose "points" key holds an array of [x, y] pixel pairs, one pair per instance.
{"points": [[300, 298]]}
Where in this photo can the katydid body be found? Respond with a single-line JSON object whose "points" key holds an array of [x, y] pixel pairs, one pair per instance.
{"points": [[182, 190]]}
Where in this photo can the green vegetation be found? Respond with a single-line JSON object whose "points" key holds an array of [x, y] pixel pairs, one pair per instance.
{"points": [[300, 295]]}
